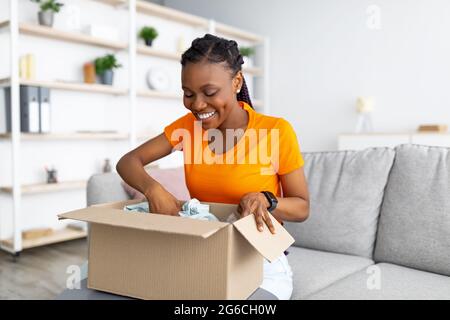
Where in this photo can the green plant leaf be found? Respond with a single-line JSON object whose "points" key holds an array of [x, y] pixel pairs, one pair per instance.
{"points": [[107, 62], [148, 33]]}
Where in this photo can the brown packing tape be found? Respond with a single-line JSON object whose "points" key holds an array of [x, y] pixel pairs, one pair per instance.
{"points": [[269, 245]]}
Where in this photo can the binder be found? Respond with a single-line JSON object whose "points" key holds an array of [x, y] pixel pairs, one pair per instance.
{"points": [[45, 115], [29, 107], [35, 114]]}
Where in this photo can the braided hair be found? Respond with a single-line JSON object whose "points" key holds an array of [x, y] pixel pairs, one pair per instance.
{"points": [[216, 50]]}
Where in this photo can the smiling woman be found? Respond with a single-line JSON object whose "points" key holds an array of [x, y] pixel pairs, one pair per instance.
{"points": [[257, 162]]}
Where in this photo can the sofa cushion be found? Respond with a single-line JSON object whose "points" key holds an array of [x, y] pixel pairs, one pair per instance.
{"points": [[105, 187], [314, 270], [414, 228], [396, 282], [346, 191]]}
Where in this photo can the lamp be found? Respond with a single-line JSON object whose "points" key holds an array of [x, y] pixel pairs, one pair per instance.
{"points": [[364, 108]]}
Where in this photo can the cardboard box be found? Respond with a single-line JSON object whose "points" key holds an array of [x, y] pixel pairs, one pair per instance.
{"points": [[154, 256]]}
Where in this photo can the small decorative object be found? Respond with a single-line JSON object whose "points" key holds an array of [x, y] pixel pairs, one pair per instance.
{"points": [[104, 68], [89, 72], [48, 8], [246, 53], [27, 67], [148, 34], [52, 175], [107, 166], [102, 31], [157, 79], [435, 128], [31, 66], [364, 107], [23, 67], [36, 233], [181, 45]]}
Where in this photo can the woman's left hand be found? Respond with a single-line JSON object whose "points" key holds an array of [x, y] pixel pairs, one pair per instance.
{"points": [[256, 203]]}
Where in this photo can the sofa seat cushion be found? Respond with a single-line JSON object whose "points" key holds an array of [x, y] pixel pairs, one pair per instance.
{"points": [[314, 270], [396, 282]]}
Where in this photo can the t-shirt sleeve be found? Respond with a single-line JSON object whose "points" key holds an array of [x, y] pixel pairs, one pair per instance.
{"points": [[175, 131], [289, 155]]}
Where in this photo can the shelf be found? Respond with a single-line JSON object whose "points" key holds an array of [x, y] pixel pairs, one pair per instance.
{"points": [[113, 2], [146, 136], [52, 33], [253, 71], [47, 187], [257, 103], [149, 51], [4, 24], [71, 86], [69, 136], [156, 94], [57, 236], [236, 33], [170, 14]]}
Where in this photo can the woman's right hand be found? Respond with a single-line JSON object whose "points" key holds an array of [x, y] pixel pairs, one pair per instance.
{"points": [[163, 202]]}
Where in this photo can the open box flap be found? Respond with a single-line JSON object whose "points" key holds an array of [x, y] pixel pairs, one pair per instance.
{"points": [[269, 245], [141, 221]]}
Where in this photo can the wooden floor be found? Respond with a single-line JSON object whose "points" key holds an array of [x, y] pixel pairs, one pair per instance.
{"points": [[39, 273]]}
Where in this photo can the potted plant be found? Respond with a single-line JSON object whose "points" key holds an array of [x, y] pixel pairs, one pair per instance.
{"points": [[246, 53], [48, 8], [148, 34], [104, 68]]}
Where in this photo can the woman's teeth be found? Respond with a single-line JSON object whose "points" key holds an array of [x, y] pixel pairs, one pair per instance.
{"points": [[204, 116]]}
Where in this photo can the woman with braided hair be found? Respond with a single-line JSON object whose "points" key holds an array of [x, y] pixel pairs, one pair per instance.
{"points": [[232, 154]]}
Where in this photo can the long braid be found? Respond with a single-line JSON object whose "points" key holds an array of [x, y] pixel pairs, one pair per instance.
{"points": [[216, 50], [244, 95]]}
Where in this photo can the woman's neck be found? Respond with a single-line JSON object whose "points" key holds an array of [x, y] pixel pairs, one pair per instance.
{"points": [[237, 119]]}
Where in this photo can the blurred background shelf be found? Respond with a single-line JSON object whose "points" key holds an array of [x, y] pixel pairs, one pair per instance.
{"points": [[47, 187], [70, 86], [170, 14], [56, 236], [256, 71], [53, 33], [69, 136], [237, 33], [149, 51], [113, 2], [158, 94]]}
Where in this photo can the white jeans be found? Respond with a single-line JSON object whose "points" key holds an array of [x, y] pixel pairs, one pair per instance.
{"points": [[278, 278]]}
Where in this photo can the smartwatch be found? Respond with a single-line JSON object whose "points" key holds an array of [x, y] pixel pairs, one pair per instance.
{"points": [[272, 200]]}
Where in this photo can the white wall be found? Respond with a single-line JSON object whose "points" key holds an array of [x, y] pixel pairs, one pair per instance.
{"points": [[323, 56]]}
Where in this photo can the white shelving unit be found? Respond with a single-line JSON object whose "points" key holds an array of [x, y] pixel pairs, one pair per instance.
{"points": [[132, 8]]}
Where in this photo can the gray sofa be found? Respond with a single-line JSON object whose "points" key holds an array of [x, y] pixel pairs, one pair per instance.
{"points": [[379, 226]]}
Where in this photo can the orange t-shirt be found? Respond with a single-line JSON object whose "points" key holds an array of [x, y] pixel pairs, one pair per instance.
{"points": [[268, 148]]}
